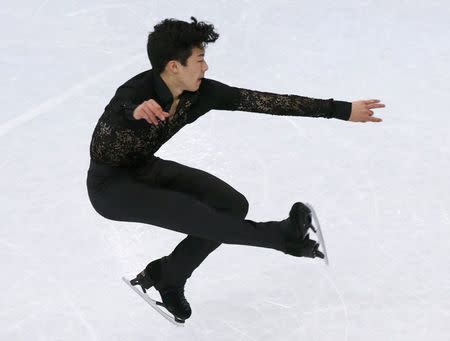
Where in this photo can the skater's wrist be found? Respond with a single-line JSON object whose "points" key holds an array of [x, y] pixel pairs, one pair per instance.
{"points": [[128, 110], [341, 110]]}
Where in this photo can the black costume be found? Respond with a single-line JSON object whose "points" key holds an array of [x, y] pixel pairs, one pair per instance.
{"points": [[127, 182]]}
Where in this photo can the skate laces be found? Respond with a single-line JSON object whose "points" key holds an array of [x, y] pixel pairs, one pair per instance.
{"points": [[180, 293]]}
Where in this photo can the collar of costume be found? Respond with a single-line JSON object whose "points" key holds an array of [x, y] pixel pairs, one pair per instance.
{"points": [[165, 96]]}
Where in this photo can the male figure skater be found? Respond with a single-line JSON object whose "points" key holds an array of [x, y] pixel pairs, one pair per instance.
{"points": [[127, 182]]}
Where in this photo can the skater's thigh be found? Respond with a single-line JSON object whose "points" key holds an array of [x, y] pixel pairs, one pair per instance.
{"points": [[201, 185], [125, 199]]}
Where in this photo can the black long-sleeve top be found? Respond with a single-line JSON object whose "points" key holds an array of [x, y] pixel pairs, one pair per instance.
{"points": [[121, 140]]}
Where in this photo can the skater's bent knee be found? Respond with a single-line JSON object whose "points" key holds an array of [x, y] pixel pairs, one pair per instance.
{"points": [[240, 207]]}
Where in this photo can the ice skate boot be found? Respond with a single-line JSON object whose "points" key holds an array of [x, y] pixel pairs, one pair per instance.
{"points": [[296, 227], [173, 298], [301, 222], [175, 302], [303, 248]]}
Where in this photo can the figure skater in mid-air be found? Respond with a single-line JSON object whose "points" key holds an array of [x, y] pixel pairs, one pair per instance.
{"points": [[127, 182]]}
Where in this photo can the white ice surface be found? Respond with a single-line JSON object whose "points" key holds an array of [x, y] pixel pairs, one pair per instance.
{"points": [[381, 189]]}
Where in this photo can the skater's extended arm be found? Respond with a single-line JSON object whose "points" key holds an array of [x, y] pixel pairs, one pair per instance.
{"points": [[225, 97]]}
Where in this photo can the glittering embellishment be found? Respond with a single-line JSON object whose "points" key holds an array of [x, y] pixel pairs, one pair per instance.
{"points": [[116, 145], [118, 141], [284, 105]]}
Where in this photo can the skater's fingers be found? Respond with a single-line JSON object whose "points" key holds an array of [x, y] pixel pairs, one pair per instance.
{"points": [[375, 119], [149, 116], [145, 111], [157, 110], [153, 118], [370, 101], [153, 104], [379, 105]]}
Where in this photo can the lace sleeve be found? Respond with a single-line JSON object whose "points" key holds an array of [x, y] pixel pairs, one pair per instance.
{"points": [[284, 105], [233, 98]]}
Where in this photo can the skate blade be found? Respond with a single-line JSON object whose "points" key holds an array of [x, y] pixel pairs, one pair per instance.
{"points": [[319, 233], [155, 305]]}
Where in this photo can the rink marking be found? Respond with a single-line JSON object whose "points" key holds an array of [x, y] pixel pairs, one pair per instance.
{"points": [[341, 298], [278, 304], [59, 99], [77, 311], [238, 330]]}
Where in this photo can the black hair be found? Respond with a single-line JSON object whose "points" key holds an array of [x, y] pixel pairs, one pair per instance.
{"points": [[174, 39]]}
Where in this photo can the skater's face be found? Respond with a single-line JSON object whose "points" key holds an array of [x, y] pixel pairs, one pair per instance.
{"points": [[189, 76]]}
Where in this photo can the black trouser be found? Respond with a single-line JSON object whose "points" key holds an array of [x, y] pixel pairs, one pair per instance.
{"points": [[168, 194]]}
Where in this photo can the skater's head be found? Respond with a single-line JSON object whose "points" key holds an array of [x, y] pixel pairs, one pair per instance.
{"points": [[177, 49]]}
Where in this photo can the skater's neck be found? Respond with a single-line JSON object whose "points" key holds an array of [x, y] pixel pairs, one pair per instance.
{"points": [[174, 86]]}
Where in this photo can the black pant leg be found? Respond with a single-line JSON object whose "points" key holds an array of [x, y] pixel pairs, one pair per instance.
{"points": [[177, 267], [124, 199], [117, 195]]}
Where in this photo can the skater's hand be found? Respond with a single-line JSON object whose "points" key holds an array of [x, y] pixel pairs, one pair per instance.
{"points": [[361, 111], [150, 110]]}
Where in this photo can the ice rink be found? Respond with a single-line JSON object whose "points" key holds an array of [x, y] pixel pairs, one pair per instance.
{"points": [[381, 190]]}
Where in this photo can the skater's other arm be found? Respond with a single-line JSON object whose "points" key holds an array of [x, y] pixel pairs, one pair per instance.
{"points": [[124, 100], [225, 97], [129, 96]]}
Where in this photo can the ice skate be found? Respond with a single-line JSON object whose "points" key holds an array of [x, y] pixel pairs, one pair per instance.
{"points": [[300, 218], [297, 226], [173, 298], [304, 248]]}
